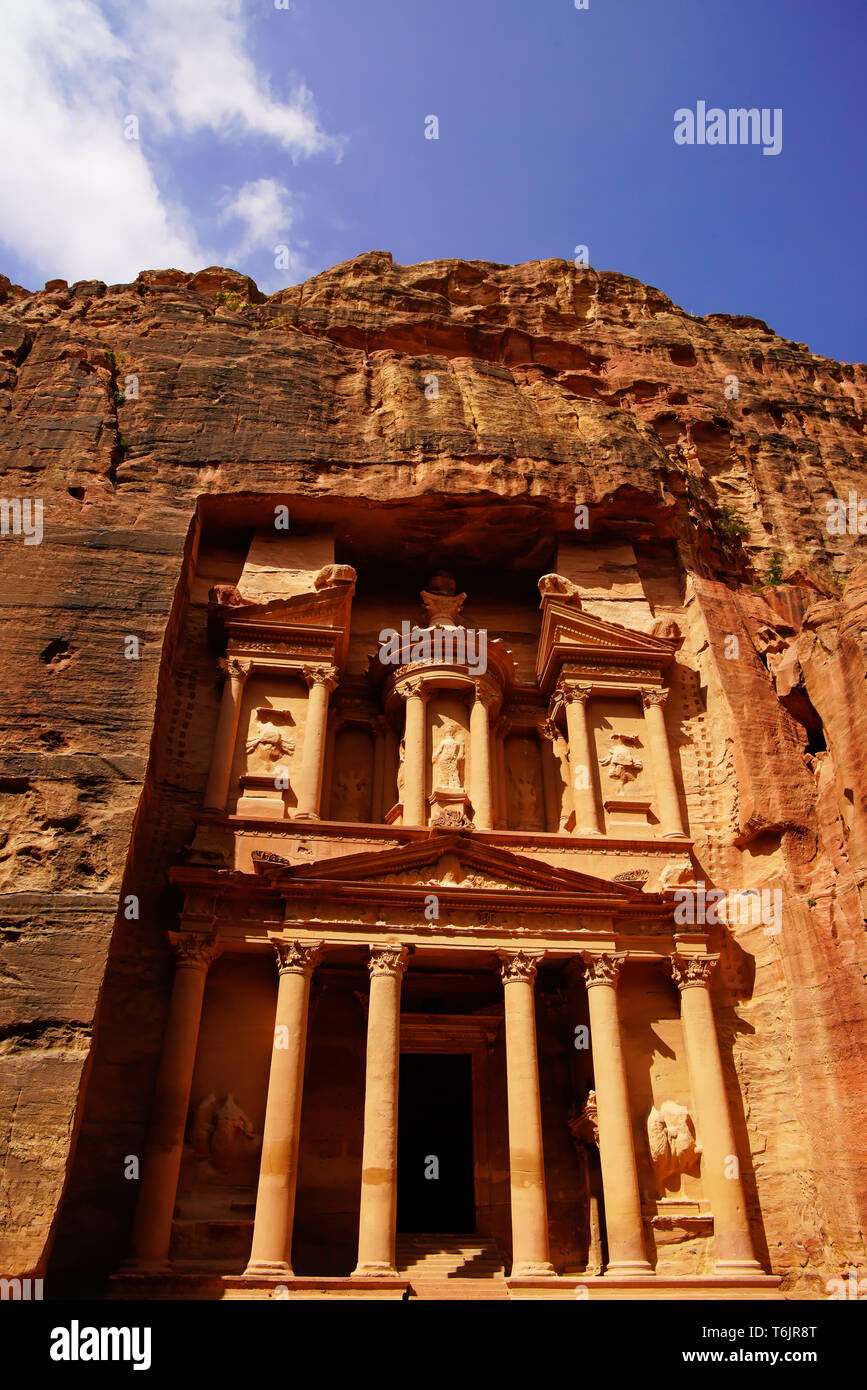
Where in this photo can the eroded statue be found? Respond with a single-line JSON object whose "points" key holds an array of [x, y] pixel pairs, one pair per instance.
{"points": [[268, 743], [673, 1148], [623, 763], [449, 759]]}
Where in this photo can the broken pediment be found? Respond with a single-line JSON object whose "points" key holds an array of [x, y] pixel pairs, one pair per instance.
{"points": [[572, 636]]}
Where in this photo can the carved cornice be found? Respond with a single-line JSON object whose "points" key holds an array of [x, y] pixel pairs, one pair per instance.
{"points": [[297, 957], [388, 960], [519, 967], [194, 950], [602, 968], [692, 972]]}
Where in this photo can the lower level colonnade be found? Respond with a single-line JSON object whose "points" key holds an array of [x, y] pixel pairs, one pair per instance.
{"points": [[296, 960]]}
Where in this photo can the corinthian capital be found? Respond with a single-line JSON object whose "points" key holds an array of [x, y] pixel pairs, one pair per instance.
{"points": [[413, 686], [653, 697], [235, 668], [297, 957], [388, 960], [193, 949], [572, 692], [692, 972], [602, 969], [321, 675], [519, 966]]}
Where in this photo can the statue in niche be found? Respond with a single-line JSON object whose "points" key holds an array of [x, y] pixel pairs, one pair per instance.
{"points": [[401, 771], [525, 801], [560, 749], [449, 759], [268, 744], [442, 602], [624, 766], [221, 1133], [351, 799], [673, 1148]]}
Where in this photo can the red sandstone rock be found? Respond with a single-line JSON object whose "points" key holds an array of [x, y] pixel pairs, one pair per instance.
{"points": [[555, 387]]}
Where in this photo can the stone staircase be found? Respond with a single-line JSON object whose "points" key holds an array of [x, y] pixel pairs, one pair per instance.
{"points": [[451, 1267]]}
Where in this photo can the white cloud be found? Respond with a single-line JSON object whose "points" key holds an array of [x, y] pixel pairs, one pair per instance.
{"points": [[80, 200], [265, 208], [195, 71]]}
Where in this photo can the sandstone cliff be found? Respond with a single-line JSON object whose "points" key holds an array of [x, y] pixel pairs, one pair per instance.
{"points": [[418, 388]]}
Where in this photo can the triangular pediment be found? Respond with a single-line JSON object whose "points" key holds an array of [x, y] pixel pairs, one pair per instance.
{"points": [[572, 635], [447, 861]]}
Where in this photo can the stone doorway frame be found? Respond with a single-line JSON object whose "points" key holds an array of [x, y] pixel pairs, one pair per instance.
{"points": [[462, 1033]]}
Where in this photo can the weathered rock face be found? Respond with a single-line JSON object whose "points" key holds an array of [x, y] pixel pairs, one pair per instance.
{"points": [[456, 412]]}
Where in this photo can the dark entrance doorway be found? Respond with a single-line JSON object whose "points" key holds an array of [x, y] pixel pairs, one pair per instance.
{"points": [[435, 1191]]}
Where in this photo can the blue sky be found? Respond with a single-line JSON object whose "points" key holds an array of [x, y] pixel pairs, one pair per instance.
{"points": [[304, 128]]}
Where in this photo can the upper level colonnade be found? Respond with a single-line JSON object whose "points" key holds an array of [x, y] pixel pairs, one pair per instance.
{"points": [[442, 728]]}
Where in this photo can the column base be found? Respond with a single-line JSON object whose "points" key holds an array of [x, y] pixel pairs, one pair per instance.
{"points": [[674, 834], [584, 831], [258, 1267], [379, 1269], [306, 815], [732, 1268], [625, 1269], [533, 1269]]}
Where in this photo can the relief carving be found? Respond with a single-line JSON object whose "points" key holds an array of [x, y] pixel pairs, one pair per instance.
{"points": [[223, 1135], [673, 1148], [449, 758], [268, 743], [624, 765]]}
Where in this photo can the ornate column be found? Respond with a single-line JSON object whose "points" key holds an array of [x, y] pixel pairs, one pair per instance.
{"points": [[376, 1226], [581, 760], [552, 797], [321, 680], [480, 754], [152, 1228], [660, 752], [415, 749], [227, 729], [626, 1252], [278, 1170], [379, 760], [530, 1254], [720, 1168]]}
